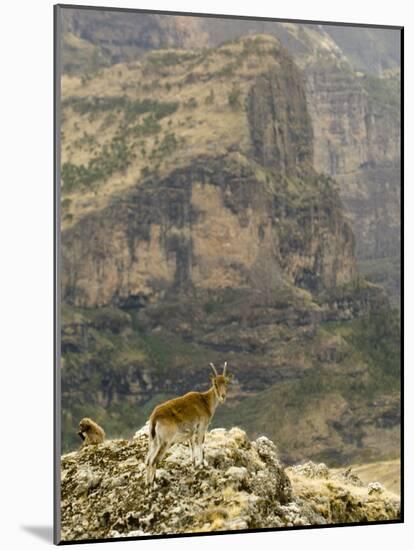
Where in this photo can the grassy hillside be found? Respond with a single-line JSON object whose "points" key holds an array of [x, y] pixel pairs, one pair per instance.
{"points": [[334, 408], [346, 397], [122, 123]]}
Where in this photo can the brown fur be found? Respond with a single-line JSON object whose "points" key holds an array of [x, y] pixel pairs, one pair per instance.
{"points": [[90, 432], [184, 418]]}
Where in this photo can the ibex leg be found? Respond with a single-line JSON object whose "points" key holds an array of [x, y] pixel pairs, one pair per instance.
{"points": [[153, 458], [193, 448], [200, 448]]}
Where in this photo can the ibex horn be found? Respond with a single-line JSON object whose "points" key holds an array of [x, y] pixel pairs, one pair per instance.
{"points": [[225, 369], [214, 369]]}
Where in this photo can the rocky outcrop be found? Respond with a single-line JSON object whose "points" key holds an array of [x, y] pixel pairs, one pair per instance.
{"points": [[279, 123], [244, 486]]}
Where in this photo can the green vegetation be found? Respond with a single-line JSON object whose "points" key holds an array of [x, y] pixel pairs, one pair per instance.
{"points": [[108, 121], [81, 57], [168, 144], [253, 46], [170, 58], [384, 91], [210, 98], [118, 154], [385, 272], [325, 62], [87, 140], [369, 50], [227, 70], [131, 108], [164, 148], [66, 203], [371, 348], [378, 339], [148, 127], [234, 98], [191, 103], [112, 158]]}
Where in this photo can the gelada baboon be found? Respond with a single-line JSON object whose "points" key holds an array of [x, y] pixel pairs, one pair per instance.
{"points": [[90, 432]]}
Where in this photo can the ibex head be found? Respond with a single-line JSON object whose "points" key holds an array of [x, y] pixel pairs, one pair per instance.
{"points": [[220, 382]]}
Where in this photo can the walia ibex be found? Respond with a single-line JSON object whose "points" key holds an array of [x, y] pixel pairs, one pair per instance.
{"points": [[183, 419]]}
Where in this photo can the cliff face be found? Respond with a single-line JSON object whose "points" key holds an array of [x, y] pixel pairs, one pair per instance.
{"points": [[355, 119], [196, 228], [219, 221], [357, 137], [244, 486], [118, 36], [355, 116], [212, 225]]}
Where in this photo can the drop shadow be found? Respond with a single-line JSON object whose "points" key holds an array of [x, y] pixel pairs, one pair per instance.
{"points": [[43, 532]]}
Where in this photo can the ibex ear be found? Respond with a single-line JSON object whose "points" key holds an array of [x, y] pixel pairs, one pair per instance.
{"points": [[229, 376]]}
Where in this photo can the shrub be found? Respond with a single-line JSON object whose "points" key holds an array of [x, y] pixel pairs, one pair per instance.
{"points": [[131, 108], [234, 98], [227, 70], [149, 126], [66, 203], [114, 157], [252, 46], [171, 58], [191, 103], [385, 91], [210, 98], [167, 146]]}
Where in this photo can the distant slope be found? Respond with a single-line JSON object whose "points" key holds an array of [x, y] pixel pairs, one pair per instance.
{"points": [[387, 473], [371, 51]]}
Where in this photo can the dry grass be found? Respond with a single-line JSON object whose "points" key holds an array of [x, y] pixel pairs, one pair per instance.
{"points": [[386, 472], [340, 501]]}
